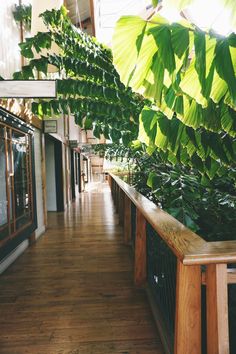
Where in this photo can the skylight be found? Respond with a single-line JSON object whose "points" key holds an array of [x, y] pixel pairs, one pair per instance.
{"points": [[205, 14]]}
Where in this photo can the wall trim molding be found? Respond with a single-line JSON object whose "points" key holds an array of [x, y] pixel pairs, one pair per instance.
{"points": [[6, 262], [40, 231]]}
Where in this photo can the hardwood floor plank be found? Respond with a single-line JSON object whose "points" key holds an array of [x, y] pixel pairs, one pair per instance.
{"points": [[72, 292]]}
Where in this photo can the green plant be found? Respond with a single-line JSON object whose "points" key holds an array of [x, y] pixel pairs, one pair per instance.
{"points": [[206, 206], [178, 165], [22, 13], [89, 86], [189, 75]]}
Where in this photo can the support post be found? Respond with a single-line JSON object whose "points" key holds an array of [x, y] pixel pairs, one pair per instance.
{"points": [[109, 179], [217, 309], [140, 269], [44, 182], [127, 220], [188, 310], [117, 200], [121, 207]]}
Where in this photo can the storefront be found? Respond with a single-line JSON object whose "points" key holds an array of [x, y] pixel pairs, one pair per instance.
{"points": [[18, 217]]}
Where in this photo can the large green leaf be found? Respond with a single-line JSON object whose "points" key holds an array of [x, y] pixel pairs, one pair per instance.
{"points": [[148, 128], [224, 67], [191, 85], [162, 36], [145, 60], [127, 42], [219, 88], [154, 80], [180, 39]]}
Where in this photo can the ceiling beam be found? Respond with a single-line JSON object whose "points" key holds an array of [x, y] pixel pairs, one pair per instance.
{"points": [[92, 17], [28, 89]]}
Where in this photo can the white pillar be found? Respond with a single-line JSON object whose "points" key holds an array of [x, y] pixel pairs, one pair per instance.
{"points": [[38, 7]]}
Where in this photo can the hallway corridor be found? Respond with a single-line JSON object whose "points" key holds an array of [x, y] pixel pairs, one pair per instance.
{"points": [[72, 292]]}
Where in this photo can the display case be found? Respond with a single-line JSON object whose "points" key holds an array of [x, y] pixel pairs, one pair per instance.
{"points": [[17, 182]]}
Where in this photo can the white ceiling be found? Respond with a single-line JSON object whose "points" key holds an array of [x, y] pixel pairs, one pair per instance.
{"points": [[79, 10], [107, 13]]}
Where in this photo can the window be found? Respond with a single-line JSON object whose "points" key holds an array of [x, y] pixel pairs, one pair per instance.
{"points": [[16, 187], [4, 228]]}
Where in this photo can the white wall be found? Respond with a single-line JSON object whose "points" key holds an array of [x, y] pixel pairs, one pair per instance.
{"points": [[38, 181], [50, 175], [10, 59], [74, 129]]}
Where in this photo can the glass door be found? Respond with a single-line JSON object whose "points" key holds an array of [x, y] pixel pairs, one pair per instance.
{"points": [[21, 179], [4, 210], [16, 206]]}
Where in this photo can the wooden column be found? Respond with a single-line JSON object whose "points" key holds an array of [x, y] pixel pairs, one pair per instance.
{"points": [[117, 198], [66, 173], [109, 179], [217, 309], [92, 17], [127, 220], [112, 187], [188, 310], [114, 191], [121, 207], [140, 268], [44, 181]]}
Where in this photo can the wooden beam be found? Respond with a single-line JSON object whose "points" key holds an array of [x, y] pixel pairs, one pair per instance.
{"points": [[217, 309], [27, 88], [92, 17], [231, 276], [188, 310]]}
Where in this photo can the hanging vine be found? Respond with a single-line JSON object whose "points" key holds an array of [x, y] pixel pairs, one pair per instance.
{"points": [[88, 86], [22, 13]]}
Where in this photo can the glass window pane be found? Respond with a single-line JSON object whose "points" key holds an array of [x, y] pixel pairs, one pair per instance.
{"points": [[20, 148], [4, 230]]}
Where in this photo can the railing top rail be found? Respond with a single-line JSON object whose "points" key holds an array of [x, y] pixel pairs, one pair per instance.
{"points": [[187, 246]]}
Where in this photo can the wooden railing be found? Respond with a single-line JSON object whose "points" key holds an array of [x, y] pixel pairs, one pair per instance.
{"points": [[198, 264]]}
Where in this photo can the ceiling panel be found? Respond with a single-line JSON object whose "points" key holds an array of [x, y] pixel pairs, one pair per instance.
{"points": [[79, 10]]}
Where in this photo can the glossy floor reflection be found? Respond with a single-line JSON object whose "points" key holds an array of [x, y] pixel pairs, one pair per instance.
{"points": [[72, 292]]}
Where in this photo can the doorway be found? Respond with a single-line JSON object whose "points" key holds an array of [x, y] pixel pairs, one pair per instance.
{"points": [[54, 174]]}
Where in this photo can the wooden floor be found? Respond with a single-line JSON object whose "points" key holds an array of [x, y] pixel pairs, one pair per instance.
{"points": [[73, 293]]}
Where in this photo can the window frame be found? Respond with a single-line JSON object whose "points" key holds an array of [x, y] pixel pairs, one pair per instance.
{"points": [[17, 235]]}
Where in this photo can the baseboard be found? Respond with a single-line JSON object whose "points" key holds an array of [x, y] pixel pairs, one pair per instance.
{"points": [[6, 262], [39, 232]]}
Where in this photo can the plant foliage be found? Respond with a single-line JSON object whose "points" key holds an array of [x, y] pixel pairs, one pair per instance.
{"points": [[22, 13], [189, 76], [185, 156], [88, 86], [206, 206]]}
